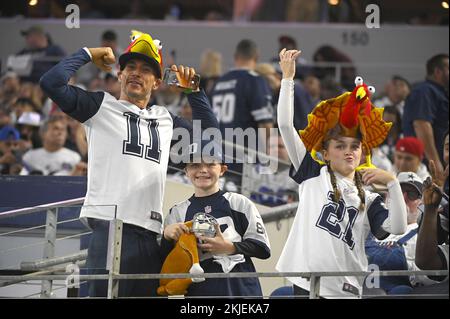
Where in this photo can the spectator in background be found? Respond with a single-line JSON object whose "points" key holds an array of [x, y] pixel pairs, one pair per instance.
{"points": [[5, 118], [9, 138], [112, 84], [242, 99], [171, 97], [408, 157], [391, 114], [21, 106], [302, 11], [39, 52], [211, 69], [32, 92], [426, 110], [90, 72], [396, 90], [382, 252], [432, 239], [53, 158], [28, 125], [330, 88], [287, 42], [329, 54], [303, 102], [273, 188], [313, 87], [9, 90]]}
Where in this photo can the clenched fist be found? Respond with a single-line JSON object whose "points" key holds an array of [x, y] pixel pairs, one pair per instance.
{"points": [[102, 58]]}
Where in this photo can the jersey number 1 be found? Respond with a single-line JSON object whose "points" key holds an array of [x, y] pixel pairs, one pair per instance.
{"points": [[133, 145]]}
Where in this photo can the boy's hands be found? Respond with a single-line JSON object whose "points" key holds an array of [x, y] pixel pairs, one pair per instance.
{"points": [[217, 245], [174, 231]]}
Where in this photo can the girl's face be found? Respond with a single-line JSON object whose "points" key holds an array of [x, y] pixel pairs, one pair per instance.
{"points": [[344, 155], [205, 176]]}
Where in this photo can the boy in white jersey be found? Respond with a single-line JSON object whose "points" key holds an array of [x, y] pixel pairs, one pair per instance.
{"points": [[335, 213]]}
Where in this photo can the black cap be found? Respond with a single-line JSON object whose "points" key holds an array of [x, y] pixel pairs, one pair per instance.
{"points": [[205, 150], [124, 58]]}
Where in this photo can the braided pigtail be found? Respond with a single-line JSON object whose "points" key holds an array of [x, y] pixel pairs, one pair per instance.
{"points": [[359, 186], [336, 192]]}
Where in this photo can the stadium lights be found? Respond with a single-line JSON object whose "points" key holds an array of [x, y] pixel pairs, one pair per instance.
{"points": [[444, 4], [33, 2], [333, 2]]}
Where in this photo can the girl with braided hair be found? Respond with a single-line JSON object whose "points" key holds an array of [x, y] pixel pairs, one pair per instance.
{"points": [[335, 212]]}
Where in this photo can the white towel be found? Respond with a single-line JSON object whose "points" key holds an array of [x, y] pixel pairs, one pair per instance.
{"points": [[229, 261]]}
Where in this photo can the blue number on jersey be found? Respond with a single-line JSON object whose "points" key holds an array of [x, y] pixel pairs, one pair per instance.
{"points": [[133, 145], [331, 217]]}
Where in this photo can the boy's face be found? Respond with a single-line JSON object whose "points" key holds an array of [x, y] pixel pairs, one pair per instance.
{"points": [[205, 176]]}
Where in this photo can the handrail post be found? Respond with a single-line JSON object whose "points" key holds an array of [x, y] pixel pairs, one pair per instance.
{"points": [[314, 290], [49, 247], [113, 256]]}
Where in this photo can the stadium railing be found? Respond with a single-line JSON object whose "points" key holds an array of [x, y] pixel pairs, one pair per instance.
{"points": [[67, 268]]}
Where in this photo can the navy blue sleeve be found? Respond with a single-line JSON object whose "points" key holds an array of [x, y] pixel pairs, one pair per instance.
{"points": [[309, 168], [252, 248], [201, 110], [77, 103], [377, 214]]}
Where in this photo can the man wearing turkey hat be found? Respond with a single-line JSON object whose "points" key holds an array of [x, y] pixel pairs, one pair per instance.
{"points": [[129, 143], [408, 156]]}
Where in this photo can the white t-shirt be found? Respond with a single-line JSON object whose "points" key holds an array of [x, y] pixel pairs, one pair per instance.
{"points": [[61, 162]]}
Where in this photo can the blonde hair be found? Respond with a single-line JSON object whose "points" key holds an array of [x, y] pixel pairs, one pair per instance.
{"points": [[211, 63]]}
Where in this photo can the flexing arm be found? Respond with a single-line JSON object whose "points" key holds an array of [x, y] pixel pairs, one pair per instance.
{"points": [[74, 101], [291, 138], [393, 219]]}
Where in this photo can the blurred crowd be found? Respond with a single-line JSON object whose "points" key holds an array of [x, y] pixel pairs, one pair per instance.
{"points": [[329, 11], [37, 138]]}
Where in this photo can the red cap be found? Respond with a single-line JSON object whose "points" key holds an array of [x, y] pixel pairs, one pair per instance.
{"points": [[411, 145]]}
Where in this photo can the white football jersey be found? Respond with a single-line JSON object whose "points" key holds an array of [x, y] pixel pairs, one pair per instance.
{"points": [[123, 138], [336, 233]]}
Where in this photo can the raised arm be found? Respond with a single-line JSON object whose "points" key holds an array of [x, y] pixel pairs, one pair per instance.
{"points": [[201, 108], [72, 100], [427, 250], [285, 113]]}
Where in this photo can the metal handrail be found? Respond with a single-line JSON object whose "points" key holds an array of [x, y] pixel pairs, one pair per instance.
{"points": [[39, 208], [232, 275], [44, 263]]}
